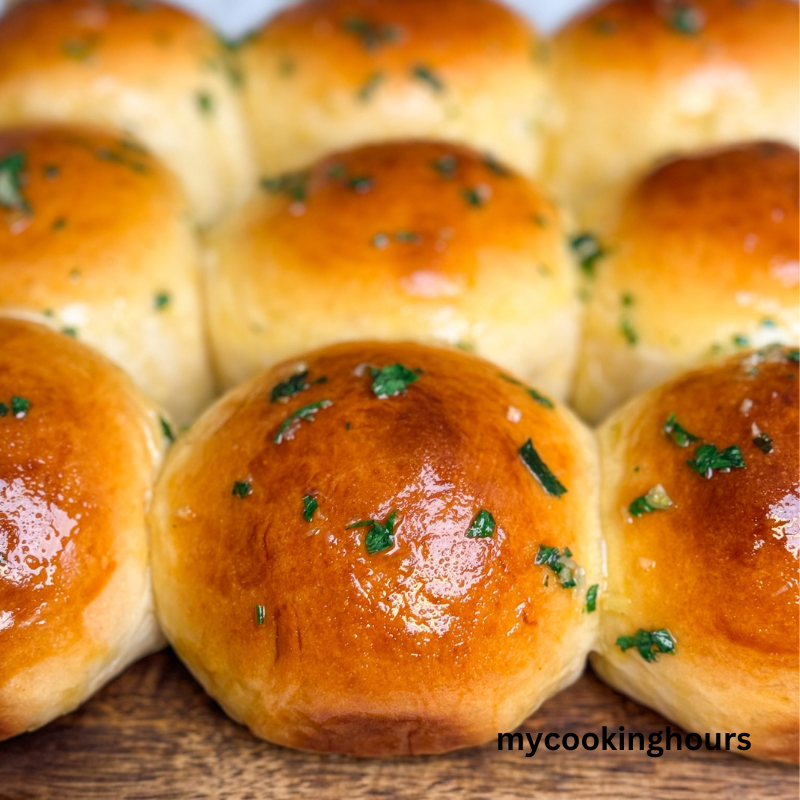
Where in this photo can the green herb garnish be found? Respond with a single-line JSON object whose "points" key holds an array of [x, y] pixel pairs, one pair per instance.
{"points": [[645, 642], [242, 489], [591, 598], [559, 563], [290, 387], [79, 49], [166, 429], [305, 413], [161, 300], [261, 613], [372, 36], [446, 165], [12, 168], [392, 380], [20, 406], [493, 165], [708, 458], [3, 410], [540, 470], [369, 86], [588, 250], [794, 355], [293, 184], [762, 441], [427, 75], [361, 184], [686, 19], [482, 526], [740, 341], [379, 536], [309, 507], [679, 435], [59, 224], [205, 102], [476, 196], [541, 399], [627, 330], [655, 500]]}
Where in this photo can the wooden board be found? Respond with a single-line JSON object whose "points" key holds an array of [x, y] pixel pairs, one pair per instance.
{"points": [[153, 733]]}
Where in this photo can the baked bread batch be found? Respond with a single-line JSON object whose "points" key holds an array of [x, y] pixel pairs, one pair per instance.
{"points": [[405, 236]]}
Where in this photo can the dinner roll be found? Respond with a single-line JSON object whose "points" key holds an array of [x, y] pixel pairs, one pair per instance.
{"points": [[703, 260], [156, 73], [94, 235], [79, 449], [380, 549], [700, 515], [637, 81], [401, 240], [328, 74]]}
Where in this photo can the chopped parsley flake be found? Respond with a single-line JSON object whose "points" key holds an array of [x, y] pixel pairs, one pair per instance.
{"points": [[708, 458], [540, 470], [427, 75], [493, 165], [392, 380], [161, 300], [648, 643], [679, 435], [12, 168], [3, 409], [686, 19], [541, 399], [369, 86], [305, 413], [627, 330], [310, 505], [242, 489], [655, 500], [762, 441], [205, 102], [379, 536], [794, 355], [740, 341], [293, 184], [562, 564], [482, 526], [261, 613], [20, 406], [79, 49], [59, 224], [446, 165], [292, 386], [361, 184], [591, 598], [476, 196], [372, 35], [166, 429], [588, 250]]}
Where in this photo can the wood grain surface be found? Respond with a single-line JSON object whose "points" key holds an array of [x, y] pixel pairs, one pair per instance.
{"points": [[153, 733]]}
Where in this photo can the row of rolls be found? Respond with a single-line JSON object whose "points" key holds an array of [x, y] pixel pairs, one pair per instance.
{"points": [[392, 548], [402, 234]]}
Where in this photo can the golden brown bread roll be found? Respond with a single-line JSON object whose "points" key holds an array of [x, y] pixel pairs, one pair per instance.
{"points": [[414, 239], [145, 68], [345, 550], [323, 75], [700, 508], [79, 450], [637, 81], [703, 260], [94, 234]]}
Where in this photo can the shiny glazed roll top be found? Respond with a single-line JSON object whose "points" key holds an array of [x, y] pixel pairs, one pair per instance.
{"points": [[95, 236], [79, 451], [639, 81], [704, 260], [145, 68], [323, 75], [402, 240], [380, 549], [700, 507]]}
